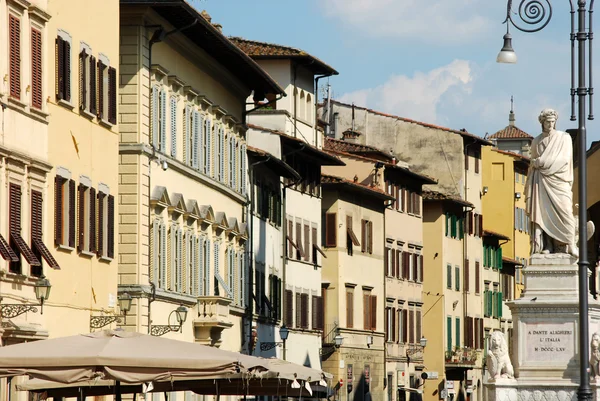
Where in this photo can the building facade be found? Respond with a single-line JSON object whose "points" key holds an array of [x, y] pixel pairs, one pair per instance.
{"points": [[183, 201]]}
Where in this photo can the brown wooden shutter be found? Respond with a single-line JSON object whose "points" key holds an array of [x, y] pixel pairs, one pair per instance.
{"points": [[289, 308], [349, 309], [110, 235], [290, 234], [394, 328], [404, 325], [112, 97], [81, 217], [307, 250], [406, 265], [298, 311], [418, 325], [417, 204], [386, 262], [92, 222], [477, 278], [36, 215], [58, 210], [398, 263], [304, 301], [480, 225], [363, 231], [101, 68], [37, 244], [20, 246], [373, 312], [415, 267], [466, 278], [422, 268], [481, 334], [411, 325], [466, 329], [466, 160], [315, 306], [300, 253], [100, 242], [67, 71], [60, 67], [72, 214], [36, 68], [331, 230], [94, 85], [366, 311], [14, 55], [470, 222], [82, 80], [476, 162], [370, 231]]}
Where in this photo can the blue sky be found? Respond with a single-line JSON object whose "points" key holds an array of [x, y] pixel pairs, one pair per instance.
{"points": [[432, 61]]}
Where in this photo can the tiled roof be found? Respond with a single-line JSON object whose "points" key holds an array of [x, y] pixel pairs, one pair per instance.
{"points": [[349, 147], [429, 195], [327, 158], [511, 261], [517, 155], [408, 120], [489, 233], [332, 179], [278, 165], [510, 132], [266, 50]]}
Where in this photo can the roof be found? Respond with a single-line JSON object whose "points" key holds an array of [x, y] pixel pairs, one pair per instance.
{"points": [[429, 195], [511, 261], [464, 133], [277, 165], [365, 189], [349, 147], [424, 178], [513, 154], [205, 35], [489, 233], [324, 158], [264, 50], [511, 132]]}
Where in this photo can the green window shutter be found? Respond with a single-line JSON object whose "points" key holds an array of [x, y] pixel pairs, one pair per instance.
{"points": [[485, 301], [447, 224], [499, 304], [499, 258], [495, 304], [449, 276], [461, 228], [453, 231], [457, 322], [449, 333], [457, 278]]}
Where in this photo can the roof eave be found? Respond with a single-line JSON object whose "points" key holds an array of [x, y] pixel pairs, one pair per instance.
{"points": [[360, 189]]}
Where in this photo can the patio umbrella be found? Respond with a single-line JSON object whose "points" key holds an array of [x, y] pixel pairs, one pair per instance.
{"points": [[122, 356]]}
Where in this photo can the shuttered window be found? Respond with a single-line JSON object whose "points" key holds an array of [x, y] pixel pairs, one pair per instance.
{"points": [[369, 311], [298, 311], [304, 311], [173, 125], [330, 230], [449, 276], [411, 326], [105, 224], [112, 95], [17, 243], [418, 325], [37, 242], [318, 313], [289, 308], [299, 246], [208, 150], [349, 308], [457, 330], [63, 69], [36, 68], [64, 212], [101, 90], [307, 247], [14, 55], [243, 169], [466, 279], [195, 139]]}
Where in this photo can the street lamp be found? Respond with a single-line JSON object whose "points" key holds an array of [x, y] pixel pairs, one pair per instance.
{"points": [[161, 329], [338, 340], [42, 291], [125, 305], [537, 14], [284, 332]]}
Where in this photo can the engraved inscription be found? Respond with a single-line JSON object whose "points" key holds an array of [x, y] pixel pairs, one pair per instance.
{"points": [[549, 342]]}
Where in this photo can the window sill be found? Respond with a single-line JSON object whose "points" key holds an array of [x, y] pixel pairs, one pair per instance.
{"points": [[17, 105], [87, 254], [85, 113], [65, 248], [105, 259], [66, 104], [106, 123], [39, 112]]}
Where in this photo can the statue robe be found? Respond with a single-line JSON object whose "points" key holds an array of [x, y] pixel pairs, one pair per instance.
{"points": [[549, 196]]}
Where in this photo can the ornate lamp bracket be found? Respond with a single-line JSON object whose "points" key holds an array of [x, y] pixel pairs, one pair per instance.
{"points": [[97, 322], [162, 329], [13, 310]]}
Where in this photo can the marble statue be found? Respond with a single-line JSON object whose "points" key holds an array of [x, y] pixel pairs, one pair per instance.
{"points": [[498, 361], [595, 355], [548, 191]]}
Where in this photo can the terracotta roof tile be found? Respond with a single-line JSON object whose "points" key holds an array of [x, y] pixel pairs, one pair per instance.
{"points": [[349, 147], [510, 132], [490, 233], [332, 179], [408, 120], [257, 49], [511, 261], [506, 152], [438, 196]]}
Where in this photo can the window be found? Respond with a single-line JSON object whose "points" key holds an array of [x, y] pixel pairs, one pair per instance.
{"points": [[418, 324], [487, 300], [275, 297], [220, 154], [301, 310], [37, 243], [449, 276], [242, 287], [369, 311], [87, 81], [231, 160], [457, 278], [192, 265], [476, 157], [390, 324], [188, 136], [106, 225], [349, 308], [299, 246], [195, 140], [367, 236], [159, 118], [404, 326], [457, 329], [63, 70], [318, 313], [173, 125], [176, 260], [411, 324], [449, 333], [36, 69], [307, 247], [206, 265], [159, 254], [107, 97], [315, 246], [330, 230], [243, 169], [14, 55], [411, 267], [17, 243], [86, 218], [351, 239], [389, 262], [64, 212], [218, 277], [207, 147], [466, 280], [289, 308]]}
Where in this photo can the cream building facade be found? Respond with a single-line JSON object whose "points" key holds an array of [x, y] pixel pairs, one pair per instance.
{"points": [[183, 215]]}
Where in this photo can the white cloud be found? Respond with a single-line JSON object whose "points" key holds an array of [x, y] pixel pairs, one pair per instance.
{"points": [[416, 97], [437, 21]]}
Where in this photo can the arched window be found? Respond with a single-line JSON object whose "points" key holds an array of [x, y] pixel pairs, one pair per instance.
{"points": [[309, 109]]}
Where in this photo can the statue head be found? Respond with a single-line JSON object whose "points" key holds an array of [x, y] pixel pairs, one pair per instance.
{"points": [[548, 119]]}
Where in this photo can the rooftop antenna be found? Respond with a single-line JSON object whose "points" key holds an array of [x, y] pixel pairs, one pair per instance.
{"points": [[511, 115], [352, 116]]}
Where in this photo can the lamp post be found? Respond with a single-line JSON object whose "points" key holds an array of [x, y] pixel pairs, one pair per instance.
{"points": [[42, 291], [537, 14], [125, 305], [284, 332]]}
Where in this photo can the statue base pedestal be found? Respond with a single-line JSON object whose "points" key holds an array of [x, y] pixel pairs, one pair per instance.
{"points": [[545, 341]]}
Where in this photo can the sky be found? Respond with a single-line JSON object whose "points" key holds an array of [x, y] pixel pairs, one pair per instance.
{"points": [[432, 61]]}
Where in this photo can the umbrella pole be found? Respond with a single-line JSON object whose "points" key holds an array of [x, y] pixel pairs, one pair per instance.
{"points": [[218, 392], [117, 391]]}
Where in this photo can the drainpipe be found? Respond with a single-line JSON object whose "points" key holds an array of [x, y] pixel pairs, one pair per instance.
{"points": [[466, 237], [317, 103], [295, 100]]}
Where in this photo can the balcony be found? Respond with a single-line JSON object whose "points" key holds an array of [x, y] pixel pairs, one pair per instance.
{"points": [[213, 318], [462, 356]]}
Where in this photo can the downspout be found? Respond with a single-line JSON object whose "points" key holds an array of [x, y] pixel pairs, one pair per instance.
{"points": [[466, 238], [295, 100], [316, 105]]}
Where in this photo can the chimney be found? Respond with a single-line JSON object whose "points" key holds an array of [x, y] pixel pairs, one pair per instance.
{"points": [[350, 136], [206, 15], [219, 27], [511, 115]]}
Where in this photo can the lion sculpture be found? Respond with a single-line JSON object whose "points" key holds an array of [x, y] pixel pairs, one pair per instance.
{"points": [[595, 357], [498, 361]]}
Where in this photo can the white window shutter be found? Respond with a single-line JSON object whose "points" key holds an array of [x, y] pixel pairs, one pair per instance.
{"points": [[187, 132], [222, 150], [172, 258], [163, 121], [207, 276], [199, 267], [163, 256], [217, 257], [173, 126], [200, 143], [243, 163], [155, 247], [154, 102], [209, 155], [240, 264], [234, 163], [195, 129], [179, 256]]}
